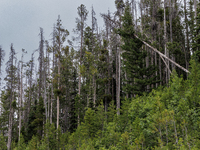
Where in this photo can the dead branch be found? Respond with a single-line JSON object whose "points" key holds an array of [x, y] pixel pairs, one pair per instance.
{"points": [[161, 54]]}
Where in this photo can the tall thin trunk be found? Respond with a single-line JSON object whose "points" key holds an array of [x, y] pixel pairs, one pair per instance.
{"points": [[20, 102], [30, 84], [94, 22], [152, 56], [117, 76], [171, 34], [135, 15], [48, 58], [141, 9], [118, 61], [187, 35], [94, 93], [147, 64], [165, 42], [45, 87], [19, 80], [132, 8], [58, 100], [41, 59], [81, 53], [53, 67], [51, 109], [160, 64], [10, 125], [113, 97], [195, 10]]}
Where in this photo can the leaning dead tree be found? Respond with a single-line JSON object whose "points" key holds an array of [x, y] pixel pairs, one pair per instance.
{"points": [[114, 23], [162, 55]]}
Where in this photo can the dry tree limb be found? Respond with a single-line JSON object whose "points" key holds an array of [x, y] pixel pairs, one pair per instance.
{"points": [[161, 54], [165, 63]]}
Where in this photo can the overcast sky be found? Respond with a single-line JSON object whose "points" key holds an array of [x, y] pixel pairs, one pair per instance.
{"points": [[21, 20]]}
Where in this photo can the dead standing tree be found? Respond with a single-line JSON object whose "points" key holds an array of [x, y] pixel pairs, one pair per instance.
{"points": [[11, 69]]}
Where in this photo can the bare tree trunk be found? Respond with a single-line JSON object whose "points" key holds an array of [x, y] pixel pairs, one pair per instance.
{"points": [[141, 9], [48, 58], [118, 58], [53, 67], [45, 86], [165, 42], [135, 15], [94, 23], [41, 59], [2, 54], [132, 8], [187, 35], [195, 10], [20, 102], [118, 80], [127, 95], [156, 70], [81, 53], [58, 101], [147, 63], [113, 97], [152, 54], [170, 21], [160, 64], [51, 109]]}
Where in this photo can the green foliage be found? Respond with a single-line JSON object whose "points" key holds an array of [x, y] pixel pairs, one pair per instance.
{"points": [[154, 121], [57, 92], [21, 144], [196, 38], [35, 122], [3, 142], [138, 75], [50, 137], [14, 104], [33, 143], [166, 118]]}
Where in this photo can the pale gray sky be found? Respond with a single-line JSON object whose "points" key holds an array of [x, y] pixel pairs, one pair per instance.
{"points": [[21, 20]]}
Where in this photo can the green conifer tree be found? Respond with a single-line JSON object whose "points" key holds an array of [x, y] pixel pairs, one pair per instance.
{"points": [[138, 76], [196, 39]]}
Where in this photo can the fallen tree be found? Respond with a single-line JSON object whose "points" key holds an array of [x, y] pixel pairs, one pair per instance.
{"points": [[162, 55]]}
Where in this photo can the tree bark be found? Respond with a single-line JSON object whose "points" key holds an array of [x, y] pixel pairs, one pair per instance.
{"points": [[187, 35], [165, 42], [195, 10], [20, 102], [58, 100], [118, 63], [171, 34]]}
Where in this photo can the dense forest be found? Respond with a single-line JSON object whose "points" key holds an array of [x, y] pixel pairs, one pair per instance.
{"points": [[134, 84]]}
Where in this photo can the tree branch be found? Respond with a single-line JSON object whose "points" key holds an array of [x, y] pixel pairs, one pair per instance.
{"points": [[161, 54]]}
